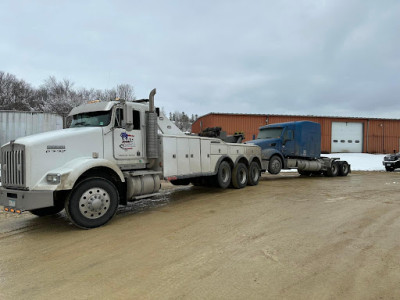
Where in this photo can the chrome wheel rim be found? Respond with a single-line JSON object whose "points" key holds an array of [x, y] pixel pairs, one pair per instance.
{"points": [[242, 176], [254, 174], [225, 174], [94, 203], [276, 165]]}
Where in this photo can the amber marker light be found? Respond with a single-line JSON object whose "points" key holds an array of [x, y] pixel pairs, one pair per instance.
{"points": [[18, 211], [12, 210], [6, 209]]}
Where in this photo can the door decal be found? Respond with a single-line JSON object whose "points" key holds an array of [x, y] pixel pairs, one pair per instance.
{"points": [[128, 141]]}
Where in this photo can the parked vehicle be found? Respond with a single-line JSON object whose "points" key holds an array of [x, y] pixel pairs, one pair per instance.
{"points": [[115, 152], [391, 162], [296, 145]]}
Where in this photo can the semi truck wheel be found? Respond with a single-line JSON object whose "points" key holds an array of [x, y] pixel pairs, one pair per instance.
{"points": [[275, 165], [254, 174], [92, 203], [344, 168], [224, 175], [333, 170], [239, 176]]}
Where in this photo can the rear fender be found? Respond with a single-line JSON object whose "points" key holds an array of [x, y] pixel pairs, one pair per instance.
{"points": [[222, 158], [256, 159], [243, 158], [268, 153]]}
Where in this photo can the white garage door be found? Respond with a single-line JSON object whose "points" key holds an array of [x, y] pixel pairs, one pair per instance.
{"points": [[347, 137]]}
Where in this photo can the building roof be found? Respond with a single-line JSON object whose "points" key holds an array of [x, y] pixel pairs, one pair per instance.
{"points": [[303, 116]]}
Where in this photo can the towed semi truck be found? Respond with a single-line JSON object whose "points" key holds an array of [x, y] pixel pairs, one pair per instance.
{"points": [[112, 153], [296, 145]]}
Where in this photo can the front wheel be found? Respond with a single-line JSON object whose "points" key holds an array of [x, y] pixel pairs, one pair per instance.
{"points": [[92, 203], [389, 169], [275, 165]]}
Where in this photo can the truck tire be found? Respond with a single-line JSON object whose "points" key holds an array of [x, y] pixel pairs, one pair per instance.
{"points": [[254, 174], [333, 170], [92, 203], [47, 211], [275, 165], [224, 175], [344, 168], [239, 176]]}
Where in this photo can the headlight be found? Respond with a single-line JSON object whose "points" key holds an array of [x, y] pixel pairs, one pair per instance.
{"points": [[53, 178]]}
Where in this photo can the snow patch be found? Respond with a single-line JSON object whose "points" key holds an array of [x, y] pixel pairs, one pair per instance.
{"points": [[361, 161]]}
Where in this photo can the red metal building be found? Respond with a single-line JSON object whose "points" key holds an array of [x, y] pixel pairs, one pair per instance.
{"points": [[339, 134]]}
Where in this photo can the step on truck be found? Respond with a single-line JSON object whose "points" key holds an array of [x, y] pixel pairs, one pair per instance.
{"points": [[296, 145], [112, 153]]}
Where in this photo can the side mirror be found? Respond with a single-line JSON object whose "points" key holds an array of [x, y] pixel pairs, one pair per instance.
{"points": [[128, 118]]}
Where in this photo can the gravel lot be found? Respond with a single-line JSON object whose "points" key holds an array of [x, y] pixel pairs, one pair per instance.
{"points": [[290, 237]]}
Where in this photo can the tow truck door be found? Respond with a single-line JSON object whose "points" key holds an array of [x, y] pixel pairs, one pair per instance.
{"points": [[128, 145]]}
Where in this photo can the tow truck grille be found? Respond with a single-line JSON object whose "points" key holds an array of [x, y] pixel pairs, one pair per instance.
{"points": [[13, 166]]}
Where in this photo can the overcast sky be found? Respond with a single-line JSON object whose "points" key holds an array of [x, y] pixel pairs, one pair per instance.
{"points": [[277, 57]]}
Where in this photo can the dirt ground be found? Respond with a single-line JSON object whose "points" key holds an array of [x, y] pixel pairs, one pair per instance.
{"points": [[290, 237]]}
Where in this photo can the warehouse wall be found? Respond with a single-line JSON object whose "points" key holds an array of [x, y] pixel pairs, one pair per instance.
{"points": [[383, 135]]}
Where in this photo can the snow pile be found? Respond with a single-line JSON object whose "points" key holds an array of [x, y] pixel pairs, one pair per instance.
{"points": [[361, 161]]}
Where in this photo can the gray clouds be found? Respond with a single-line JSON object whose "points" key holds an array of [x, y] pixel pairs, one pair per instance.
{"points": [[283, 57]]}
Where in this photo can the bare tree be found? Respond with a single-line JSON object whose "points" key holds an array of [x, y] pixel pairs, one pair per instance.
{"points": [[55, 96], [15, 94], [61, 97], [125, 91]]}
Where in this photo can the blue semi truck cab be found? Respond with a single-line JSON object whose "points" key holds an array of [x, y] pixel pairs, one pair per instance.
{"points": [[296, 145]]}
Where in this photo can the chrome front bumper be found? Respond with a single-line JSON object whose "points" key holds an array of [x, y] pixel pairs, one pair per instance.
{"points": [[26, 200]]}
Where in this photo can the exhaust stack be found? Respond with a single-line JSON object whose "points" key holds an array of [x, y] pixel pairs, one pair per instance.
{"points": [[151, 100], [152, 129]]}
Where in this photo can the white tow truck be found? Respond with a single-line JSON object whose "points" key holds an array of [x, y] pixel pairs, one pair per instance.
{"points": [[112, 153]]}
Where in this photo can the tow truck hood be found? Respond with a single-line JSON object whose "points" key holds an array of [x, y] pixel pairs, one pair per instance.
{"points": [[47, 151], [62, 136]]}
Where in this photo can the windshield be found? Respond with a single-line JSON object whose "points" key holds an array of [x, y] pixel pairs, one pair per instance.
{"points": [[270, 133], [91, 119]]}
